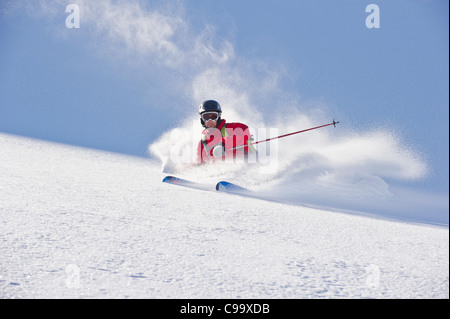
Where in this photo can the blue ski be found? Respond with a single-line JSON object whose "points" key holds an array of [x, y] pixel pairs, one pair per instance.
{"points": [[184, 182], [231, 188]]}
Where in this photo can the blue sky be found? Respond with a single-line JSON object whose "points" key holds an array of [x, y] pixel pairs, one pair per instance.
{"points": [[120, 81]]}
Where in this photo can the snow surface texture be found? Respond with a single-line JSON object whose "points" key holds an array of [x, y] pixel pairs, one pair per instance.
{"points": [[80, 223]]}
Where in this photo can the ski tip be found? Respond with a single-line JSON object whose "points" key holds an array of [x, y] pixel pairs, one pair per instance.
{"points": [[166, 179], [169, 179]]}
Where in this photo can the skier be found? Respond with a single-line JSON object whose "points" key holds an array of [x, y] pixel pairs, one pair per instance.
{"points": [[221, 140]]}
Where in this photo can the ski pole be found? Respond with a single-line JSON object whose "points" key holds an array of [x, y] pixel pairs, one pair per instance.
{"points": [[298, 132], [281, 136]]}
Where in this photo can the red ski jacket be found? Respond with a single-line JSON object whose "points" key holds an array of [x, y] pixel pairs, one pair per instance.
{"points": [[234, 137]]}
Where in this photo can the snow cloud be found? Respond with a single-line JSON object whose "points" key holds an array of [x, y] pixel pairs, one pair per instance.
{"points": [[151, 33], [161, 34], [127, 26]]}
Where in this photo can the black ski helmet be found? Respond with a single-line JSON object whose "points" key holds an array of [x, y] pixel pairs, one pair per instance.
{"points": [[209, 106]]}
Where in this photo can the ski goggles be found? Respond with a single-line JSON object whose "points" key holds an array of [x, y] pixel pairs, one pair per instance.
{"points": [[210, 116]]}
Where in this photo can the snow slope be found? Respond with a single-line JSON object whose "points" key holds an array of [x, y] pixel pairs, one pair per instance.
{"points": [[81, 223]]}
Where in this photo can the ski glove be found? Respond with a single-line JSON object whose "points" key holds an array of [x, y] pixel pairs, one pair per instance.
{"points": [[218, 151]]}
